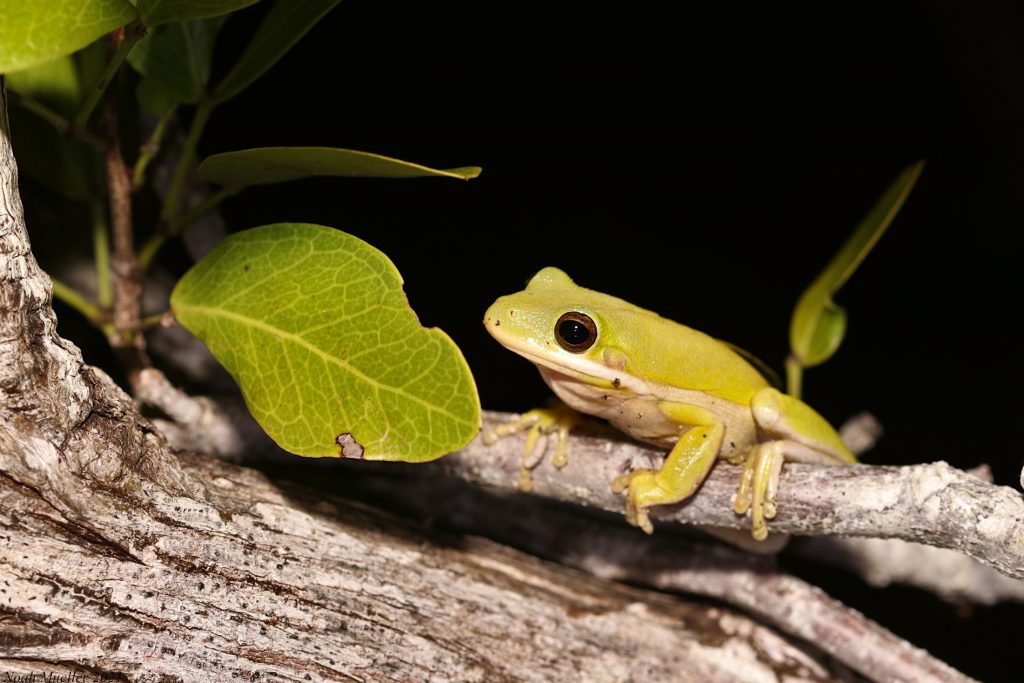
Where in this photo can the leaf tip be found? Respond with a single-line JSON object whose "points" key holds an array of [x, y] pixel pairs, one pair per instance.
{"points": [[466, 172]]}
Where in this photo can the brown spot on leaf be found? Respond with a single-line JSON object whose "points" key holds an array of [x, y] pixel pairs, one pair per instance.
{"points": [[350, 448]]}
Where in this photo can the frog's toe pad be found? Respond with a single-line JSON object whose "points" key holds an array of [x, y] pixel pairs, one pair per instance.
{"points": [[539, 424], [642, 491]]}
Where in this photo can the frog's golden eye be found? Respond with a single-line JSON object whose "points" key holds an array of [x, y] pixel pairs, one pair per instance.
{"points": [[575, 332]]}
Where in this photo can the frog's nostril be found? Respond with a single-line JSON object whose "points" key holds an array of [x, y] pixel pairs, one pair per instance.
{"points": [[511, 314]]}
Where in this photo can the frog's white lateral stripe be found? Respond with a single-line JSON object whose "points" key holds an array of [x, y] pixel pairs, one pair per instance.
{"points": [[577, 366]]}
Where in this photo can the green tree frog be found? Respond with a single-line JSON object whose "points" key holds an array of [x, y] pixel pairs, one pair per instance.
{"points": [[660, 382]]}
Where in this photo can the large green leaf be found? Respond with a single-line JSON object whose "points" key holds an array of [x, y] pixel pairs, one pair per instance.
{"points": [[314, 326], [818, 325], [174, 60], [278, 164], [156, 12], [33, 32], [284, 25]]}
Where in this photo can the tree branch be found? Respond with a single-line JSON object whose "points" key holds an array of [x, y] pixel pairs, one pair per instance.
{"points": [[127, 339], [934, 504]]}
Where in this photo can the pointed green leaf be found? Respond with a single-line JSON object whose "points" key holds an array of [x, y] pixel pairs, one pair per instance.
{"points": [[817, 327], [156, 12], [314, 326], [33, 32], [284, 25], [174, 60], [278, 164]]}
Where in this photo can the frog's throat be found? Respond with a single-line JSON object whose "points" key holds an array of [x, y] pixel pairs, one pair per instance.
{"points": [[578, 367]]}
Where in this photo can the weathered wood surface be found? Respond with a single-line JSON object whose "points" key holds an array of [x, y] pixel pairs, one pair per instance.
{"points": [[251, 581]]}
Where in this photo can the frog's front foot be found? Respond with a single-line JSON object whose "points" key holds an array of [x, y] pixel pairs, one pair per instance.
{"points": [[541, 423], [642, 491]]}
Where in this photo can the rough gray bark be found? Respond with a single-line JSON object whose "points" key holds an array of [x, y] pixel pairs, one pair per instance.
{"points": [[934, 504], [121, 559]]}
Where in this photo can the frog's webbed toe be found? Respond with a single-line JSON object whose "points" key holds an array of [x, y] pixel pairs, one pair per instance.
{"points": [[759, 485], [541, 424]]}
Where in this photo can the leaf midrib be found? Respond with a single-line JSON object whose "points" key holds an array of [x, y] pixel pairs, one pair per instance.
{"points": [[270, 329]]}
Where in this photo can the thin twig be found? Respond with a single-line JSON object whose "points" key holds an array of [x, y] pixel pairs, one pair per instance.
{"points": [[61, 124], [101, 253], [125, 39], [934, 504], [150, 148], [77, 301], [185, 161], [154, 320], [167, 230], [127, 339]]}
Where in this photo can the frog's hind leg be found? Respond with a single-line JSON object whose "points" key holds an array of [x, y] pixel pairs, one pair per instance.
{"points": [[759, 483], [541, 423], [799, 434]]}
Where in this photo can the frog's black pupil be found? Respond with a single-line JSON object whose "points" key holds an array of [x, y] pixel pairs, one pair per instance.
{"points": [[573, 332], [576, 332]]}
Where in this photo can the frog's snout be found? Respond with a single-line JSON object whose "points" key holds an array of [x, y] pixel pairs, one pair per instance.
{"points": [[498, 313]]}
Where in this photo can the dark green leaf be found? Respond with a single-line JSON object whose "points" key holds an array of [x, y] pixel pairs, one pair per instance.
{"points": [[174, 60], [285, 24], [278, 164], [156, 12]]}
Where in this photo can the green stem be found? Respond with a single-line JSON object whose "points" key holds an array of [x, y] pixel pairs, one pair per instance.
{"points": [[154, 320], [794, 376], [186, 160], [101, 253], [168, 230], [59, 123], [76, 301], [149, 150], [133, 33]]}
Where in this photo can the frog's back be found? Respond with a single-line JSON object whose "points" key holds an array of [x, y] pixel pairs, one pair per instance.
{"points": [[672, 356]]}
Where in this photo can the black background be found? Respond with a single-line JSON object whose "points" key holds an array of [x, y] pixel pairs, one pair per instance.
{"points": [[703, 161], [705, 165]]}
